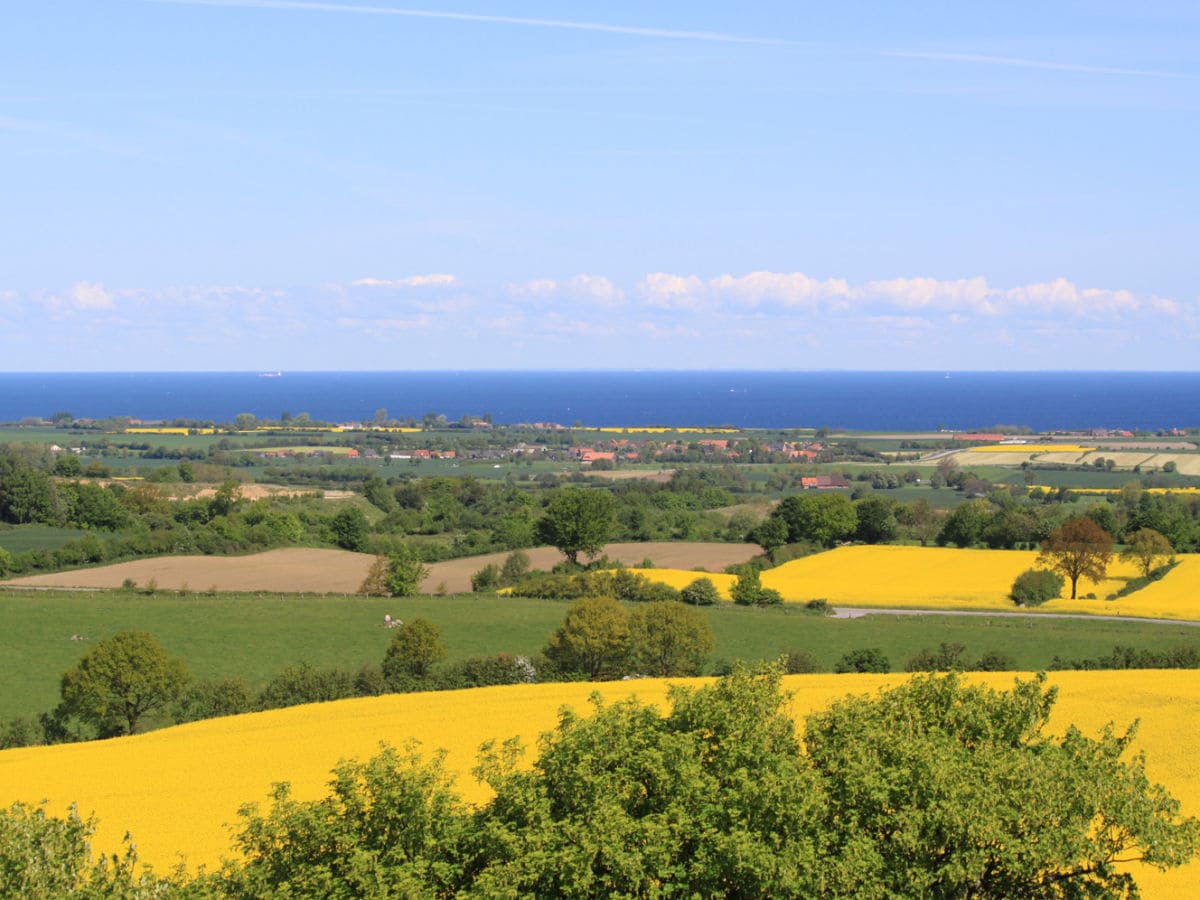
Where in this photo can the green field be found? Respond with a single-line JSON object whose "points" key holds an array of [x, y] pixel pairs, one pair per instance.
{"points": [[256, 636], [20, 538]]}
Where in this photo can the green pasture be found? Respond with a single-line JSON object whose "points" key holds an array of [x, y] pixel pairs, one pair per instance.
{"points": [[255, 636], [19, 538]]}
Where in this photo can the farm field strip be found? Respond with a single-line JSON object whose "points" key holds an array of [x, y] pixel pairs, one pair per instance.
{"points": [[311, 570], [142, 783], [950, 578]]}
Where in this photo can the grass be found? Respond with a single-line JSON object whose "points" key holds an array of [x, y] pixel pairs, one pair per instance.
{"points": [[256, 636], [37, 537]]}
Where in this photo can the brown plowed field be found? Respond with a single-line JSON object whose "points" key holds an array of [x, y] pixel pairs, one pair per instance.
{"points": [[290, 570], [305, 570]]}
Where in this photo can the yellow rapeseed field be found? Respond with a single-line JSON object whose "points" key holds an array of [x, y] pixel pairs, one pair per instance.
{"points": [[950, 578], [177, 790]]}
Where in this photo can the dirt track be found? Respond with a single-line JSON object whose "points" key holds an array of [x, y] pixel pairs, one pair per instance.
{"points": [[305, 570]]}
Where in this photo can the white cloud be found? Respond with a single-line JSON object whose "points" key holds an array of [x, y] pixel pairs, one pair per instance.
{"points": [[785, 288], [932, 293], [672, 291], [538, 287], [433, 280], [90, 296], [594, 288]]}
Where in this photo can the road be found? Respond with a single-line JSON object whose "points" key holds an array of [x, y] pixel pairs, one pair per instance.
{"points": [[857, 612]]}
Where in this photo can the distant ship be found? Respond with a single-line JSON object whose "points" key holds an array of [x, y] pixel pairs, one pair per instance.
{"points": [[270, 374]]}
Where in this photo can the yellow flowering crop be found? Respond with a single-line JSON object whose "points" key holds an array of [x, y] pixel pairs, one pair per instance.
{"points": [[178, 790], [951, 578]]}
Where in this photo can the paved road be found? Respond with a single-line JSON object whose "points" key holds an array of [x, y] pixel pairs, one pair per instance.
{"points": [[857, 612]]}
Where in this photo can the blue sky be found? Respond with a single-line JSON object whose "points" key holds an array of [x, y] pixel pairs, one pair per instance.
{"points": [[269, 184]]}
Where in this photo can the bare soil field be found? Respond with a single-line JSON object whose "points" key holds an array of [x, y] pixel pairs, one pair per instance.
{"points": [[290, 570], [307, 570]]}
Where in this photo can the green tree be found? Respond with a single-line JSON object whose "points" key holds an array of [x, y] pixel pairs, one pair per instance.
{"points": [[1078, 549], [578, 520], [876, 519], [378, 494], [1145, 546], [44, 856], [669, 639], [748, 590], [405, 574], [245, 422], [963, 794], [414, 648], [770, 534], [349, 528], [965, 526], [701, 592], [386, 830], [932, 789], [121, 680], [593, 638], [6, 562], [866, 659], [822, 518]]}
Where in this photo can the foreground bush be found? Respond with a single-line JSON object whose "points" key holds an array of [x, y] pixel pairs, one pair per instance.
{"points": [[721, 797]]}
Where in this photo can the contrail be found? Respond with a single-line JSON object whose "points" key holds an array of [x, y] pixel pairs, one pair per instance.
{"points": [[315, 6], [669, 33], [1026, 63]]}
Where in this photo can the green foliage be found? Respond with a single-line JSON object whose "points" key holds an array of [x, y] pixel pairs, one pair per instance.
{"points": [[1126, 657], [962, 794], [933, 789], [43, 856], [414, 648], [486, 579], [594, 638], [121, 680], [1033, 587], [221, 697], [578, 520], [388, 829], [950, 657], [821, 518], [669, 639], [405, 574], [305, 683], [515, 567], [701, 592], [867, 659], [1145, 546], [621, 584], [798, 662], [748, 590], [349, 529]]}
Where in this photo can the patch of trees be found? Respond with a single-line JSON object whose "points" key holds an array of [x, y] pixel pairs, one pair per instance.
{"points": [[1125, 657], [719, 795]]}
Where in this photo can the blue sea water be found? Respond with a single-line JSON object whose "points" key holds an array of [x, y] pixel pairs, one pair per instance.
{"points": [[856, 400]]}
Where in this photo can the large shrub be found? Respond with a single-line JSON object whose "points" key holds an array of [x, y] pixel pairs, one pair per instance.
{"points": [[1034, 587]]}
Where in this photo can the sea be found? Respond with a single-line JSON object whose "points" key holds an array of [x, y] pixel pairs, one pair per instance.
{"points": [[868, 401]]}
